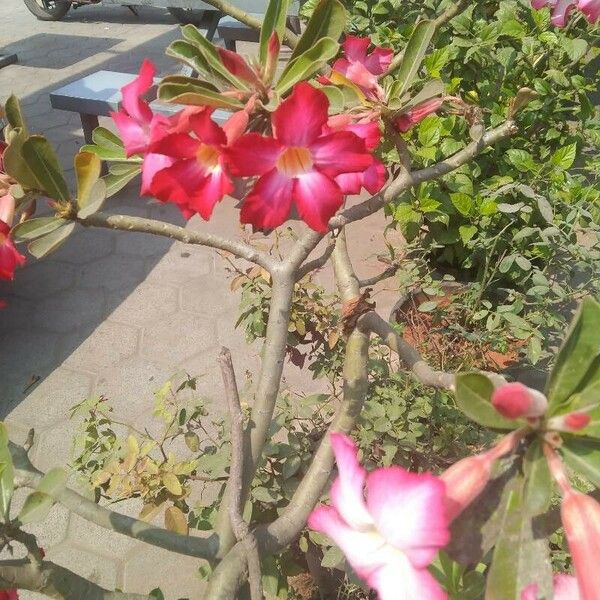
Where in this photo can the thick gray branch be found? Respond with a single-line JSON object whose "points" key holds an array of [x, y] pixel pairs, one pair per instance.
{"points": [[175, 232]]}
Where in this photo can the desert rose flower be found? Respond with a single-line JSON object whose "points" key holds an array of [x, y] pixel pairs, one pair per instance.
{"points": [[362, 67], [10, 258], [467, 478], [409, 119], [390, 537], [374, 178], [565, 588], [515, 400], [298, 165], [10, 594], [571, 422], [197, 178], [561, 9]]}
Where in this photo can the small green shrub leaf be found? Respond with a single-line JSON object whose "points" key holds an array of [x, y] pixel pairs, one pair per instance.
{"points": [[50, 242], [41, 159], [583, 456], [35, 228]]}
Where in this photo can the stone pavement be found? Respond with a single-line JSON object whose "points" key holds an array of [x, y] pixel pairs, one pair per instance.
{"points": [[110, 313]]}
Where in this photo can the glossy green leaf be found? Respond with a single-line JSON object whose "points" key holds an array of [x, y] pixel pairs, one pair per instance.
{"points": [[335, 97], [430, 90], [183, 90], [578, 362], [50, 242], [519, 558], [7, 474], [118, 178], [583, 456], [539, 484], [14, 114], [413, 56], [41, 159], [210, 67], [95, 200], [327, 20], [14, 164], [36, 507], [473, 397], [107, 139], [34, 228], [87, 172], [274, 21], [307, 64]]}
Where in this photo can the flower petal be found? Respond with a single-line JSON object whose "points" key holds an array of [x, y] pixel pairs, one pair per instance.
{"points": [[409, 511], [268, 204], [350, 183], [347, 492], [134, 135], [237, 66], [153, 163], [177, 182], [379, 60], [317, 199], [355, 47], [299, 119], [132, 93], [374, 177], [399, 580], [176, 145], [565, 587], [10, 258], [206, 129], [560, 12], [340, 152], [7, 209], [210, 191], [253, 154]]}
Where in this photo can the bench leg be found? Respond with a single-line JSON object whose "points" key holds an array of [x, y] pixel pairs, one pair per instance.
{"points": [[213, 23], [88, 124], [293, 23], [230, 44]]}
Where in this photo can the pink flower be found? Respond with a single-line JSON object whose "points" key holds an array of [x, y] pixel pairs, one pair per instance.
{"points": [[363, 68], [467, 478], [572, 422], [10, 594], [298, 165], [409, 119], [10, 258], [561, 9], [194, 177], [390, 537], [374, 178], [565, 588], [514, 400]]}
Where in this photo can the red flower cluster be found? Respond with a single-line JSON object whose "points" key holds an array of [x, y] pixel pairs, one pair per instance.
{"points": [[308, 162]]}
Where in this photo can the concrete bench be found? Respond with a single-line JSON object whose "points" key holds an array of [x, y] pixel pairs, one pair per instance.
{"points": [[231, 31], [99, 94]]}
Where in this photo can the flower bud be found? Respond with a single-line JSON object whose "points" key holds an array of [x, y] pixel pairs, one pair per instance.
{"points": [[467, 478], [575, 421], [514, 400], [580, 515]]}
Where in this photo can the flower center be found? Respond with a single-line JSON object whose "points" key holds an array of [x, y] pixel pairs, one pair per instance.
{"points": [[208, 156], [294, 161]]}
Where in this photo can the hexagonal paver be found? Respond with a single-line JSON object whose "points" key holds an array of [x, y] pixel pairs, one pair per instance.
{"points": [[153, 567], [178, 337], [40, 279], [208, 296], [147, 303], [141, 244], [53, 446], [115, 273], [71, 309], [86, 245], [95, 566], [49, 402], [108, 344], [182, 263]]}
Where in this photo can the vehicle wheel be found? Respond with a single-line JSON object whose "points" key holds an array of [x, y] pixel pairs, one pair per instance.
{"points": [[48, 10], [188, 16]]}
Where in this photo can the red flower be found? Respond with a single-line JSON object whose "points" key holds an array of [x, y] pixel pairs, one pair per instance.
{"points": [[196, 178], [409, 119], [571, 422], [10, 258], [361, 67], [298, 164], [374, 178], [514, 400], [10, 594]]}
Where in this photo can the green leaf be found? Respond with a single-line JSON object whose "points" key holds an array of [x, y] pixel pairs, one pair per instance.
{"points": [[578, 362], [36, 507], [564, 157], [521, 159], [14, 164], [430, 90], [413, 55], [34, 228], [50, 242], [95, 199], [171, 482], [274, 21], [473, 397], [307, 63], [7, 474], [87, 172], [520, 558], [107, 139], [117, 179], [206, 62], [14, 114], [583, 456], [332, 558], [176, 521], [185, 90], [467, 232], [328, 20], [538, 480], [463, 203], [156, 594], [39, 156]]}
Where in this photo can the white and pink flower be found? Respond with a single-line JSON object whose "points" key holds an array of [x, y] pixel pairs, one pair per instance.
{"points": [[390, 536], [561, 9]]}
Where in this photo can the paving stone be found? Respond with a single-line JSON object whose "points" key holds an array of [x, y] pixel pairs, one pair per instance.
{"points": [[141, 244], [177, 338], [209, 296], [115, 273], [86, 246], [40, 279], [146, 304], [53, 446], [181, 263]]}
